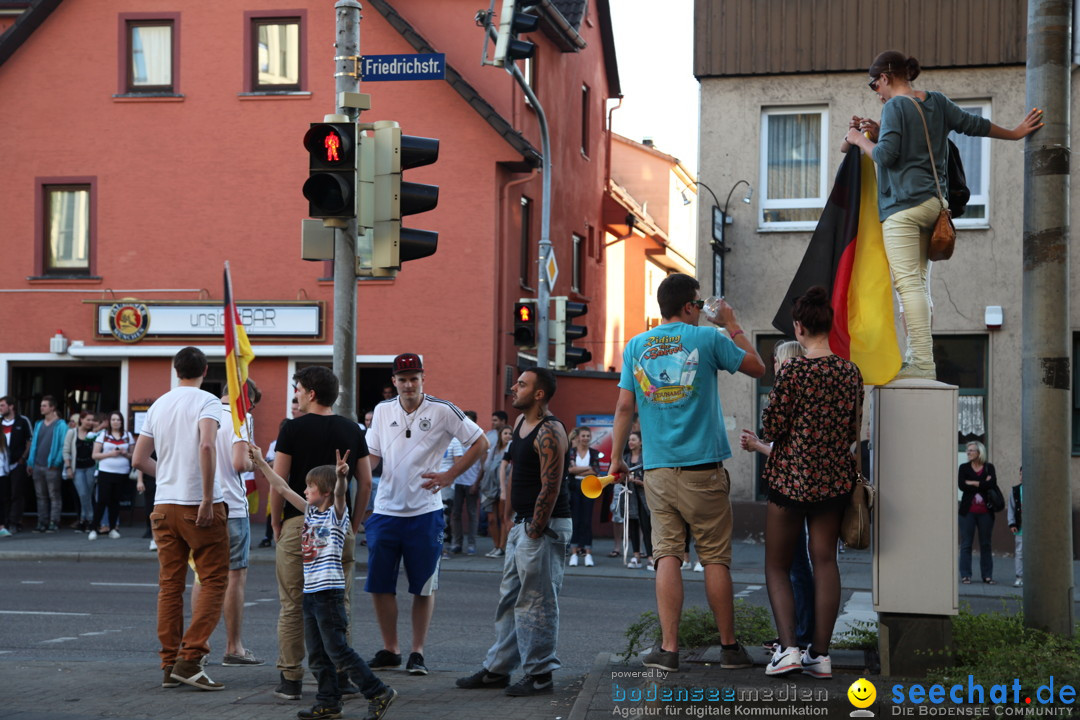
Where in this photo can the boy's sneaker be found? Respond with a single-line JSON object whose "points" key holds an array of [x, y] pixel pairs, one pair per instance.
{"points": [[662, 659], [384, 659], [532, 685], [415, 665], [819, 667], [378, 705], [320, 711], [114, 534], [167, 681], [735, 658], [190, 672], [785, 661], [483, 679], [288, 689]]}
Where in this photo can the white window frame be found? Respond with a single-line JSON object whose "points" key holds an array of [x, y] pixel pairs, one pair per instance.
{"points": [[764, 202], [577, 262], [982, 108]]}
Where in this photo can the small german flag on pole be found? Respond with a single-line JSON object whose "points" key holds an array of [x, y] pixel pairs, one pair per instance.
{"points": [[238, 355], [846, 256]]}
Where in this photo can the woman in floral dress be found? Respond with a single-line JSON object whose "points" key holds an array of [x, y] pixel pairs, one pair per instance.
{"points": [[813, 418]]}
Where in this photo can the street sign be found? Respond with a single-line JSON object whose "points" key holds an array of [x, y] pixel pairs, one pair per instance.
{"points": [[717, 225], [423, 66], [552, 269]]}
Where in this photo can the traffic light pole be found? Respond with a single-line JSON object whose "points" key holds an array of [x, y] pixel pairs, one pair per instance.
{"points": [[346, 80]]}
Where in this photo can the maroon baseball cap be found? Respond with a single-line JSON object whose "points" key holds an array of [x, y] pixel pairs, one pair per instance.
{"points": [[408, 362]]}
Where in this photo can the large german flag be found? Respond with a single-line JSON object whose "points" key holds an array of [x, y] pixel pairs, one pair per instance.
{"points": [[846, 256]]}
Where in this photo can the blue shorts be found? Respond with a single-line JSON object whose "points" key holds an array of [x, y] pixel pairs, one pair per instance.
{"points": [[417, 540], [239, 543]]}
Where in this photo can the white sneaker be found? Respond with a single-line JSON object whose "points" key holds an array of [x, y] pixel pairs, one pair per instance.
{"points": [[634, 563], [699, 568], [574, 560], [819, 667], [153, 546], [92, 535], [1019, 582], [786, 661], [589, 561], [686, 565], [114, 535]]}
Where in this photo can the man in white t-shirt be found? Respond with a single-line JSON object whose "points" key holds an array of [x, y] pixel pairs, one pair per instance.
{"points": [[409, 434], [181, 426]]}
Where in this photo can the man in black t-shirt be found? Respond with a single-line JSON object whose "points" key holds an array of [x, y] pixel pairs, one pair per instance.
{"points": [[304, 443], [527, 619]]}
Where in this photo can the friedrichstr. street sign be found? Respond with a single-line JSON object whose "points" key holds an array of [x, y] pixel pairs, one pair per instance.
{"points": [[424, 66]]}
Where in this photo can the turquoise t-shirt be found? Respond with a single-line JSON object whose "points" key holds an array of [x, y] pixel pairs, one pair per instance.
{"points": [[671, 369]]}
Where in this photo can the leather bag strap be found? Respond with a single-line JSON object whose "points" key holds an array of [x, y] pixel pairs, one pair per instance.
{"points": [[933, 165]]}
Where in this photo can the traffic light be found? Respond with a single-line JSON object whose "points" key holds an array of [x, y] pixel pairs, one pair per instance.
{"points": [[525, 322], [395, 198], [511, 23], [564, 335], [331, 185]]}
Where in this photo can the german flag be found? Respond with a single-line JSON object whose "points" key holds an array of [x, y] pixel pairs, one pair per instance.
{"points": [[238, 355], [846, 256]]}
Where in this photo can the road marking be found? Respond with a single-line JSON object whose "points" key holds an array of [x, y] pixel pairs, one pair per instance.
{"points": [[58, 640], [116, 584], [250, 604], [40, 612], [33, 582], [750, 589]]}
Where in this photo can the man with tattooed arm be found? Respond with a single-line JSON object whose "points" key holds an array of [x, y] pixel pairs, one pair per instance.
{"points": [[527, 619]]}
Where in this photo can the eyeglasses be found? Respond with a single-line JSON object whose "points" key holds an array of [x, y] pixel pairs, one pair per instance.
{"points": [[874, 83], [698, 303]]}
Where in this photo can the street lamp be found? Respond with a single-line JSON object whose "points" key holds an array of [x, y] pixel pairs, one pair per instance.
{"points": [[720, 218]]}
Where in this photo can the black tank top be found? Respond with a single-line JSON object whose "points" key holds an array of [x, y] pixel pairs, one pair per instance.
{"points": [[526, 475]]}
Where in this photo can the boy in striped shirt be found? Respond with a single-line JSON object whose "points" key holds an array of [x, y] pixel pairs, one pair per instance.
{"points": [[323, 538]]}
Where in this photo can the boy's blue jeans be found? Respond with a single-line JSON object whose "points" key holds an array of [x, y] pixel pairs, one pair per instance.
{"points": [[327, 649]]}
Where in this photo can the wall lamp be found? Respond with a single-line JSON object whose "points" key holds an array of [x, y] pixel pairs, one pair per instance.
{"points": [[720, 218]]}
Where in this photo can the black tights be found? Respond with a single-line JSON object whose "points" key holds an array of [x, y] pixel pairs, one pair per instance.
{"points": [[644, 526], [782, 527]]}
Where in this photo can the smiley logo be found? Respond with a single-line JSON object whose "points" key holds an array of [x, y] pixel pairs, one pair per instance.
{"points": [[862, 693]]}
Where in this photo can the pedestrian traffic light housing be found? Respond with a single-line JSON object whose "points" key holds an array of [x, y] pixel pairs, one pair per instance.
{"points": [[395, 198], [525, 322], [513, 22], [564, 334], [331, 185]]}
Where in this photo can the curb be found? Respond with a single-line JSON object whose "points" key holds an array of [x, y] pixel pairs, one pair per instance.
{"points": [[588, 690]]}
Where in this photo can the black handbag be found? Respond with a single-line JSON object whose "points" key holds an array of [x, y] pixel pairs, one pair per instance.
{"points": [[995, 501], [959, 193]]}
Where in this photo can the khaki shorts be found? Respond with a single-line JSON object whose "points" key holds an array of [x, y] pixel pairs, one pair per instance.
{"points": [[678, 497]]}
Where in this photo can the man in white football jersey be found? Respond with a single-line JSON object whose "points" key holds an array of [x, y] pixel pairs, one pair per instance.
{"points": [[409, 434]]}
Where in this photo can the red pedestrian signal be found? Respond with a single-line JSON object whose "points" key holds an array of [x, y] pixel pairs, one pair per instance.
{"points": [[524, 323], [331, 185]]}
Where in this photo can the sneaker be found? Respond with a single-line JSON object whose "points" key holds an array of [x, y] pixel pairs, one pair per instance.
{"points": [[4, 532], [532, 685], [651, 566], [92, 535], [819, 667], [589, 561], [699, 568], [378, 705], [471, 550], [320, 711], [1018, 583], [167, 681], [483, 679], [415, 665], [114, 535], [51, 528], [735, 658], [384, 659], [456, 550], [79, 527], [772, 645], [500, 552], [784, 661], [634, 563], [662, 659], [190, 672], [247, 659], [492, 553], [686, 565], [153, 546], [288, 689], [574, 560], [39, 529]]}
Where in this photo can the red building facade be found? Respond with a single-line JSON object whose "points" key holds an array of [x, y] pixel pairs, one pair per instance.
{"points": [[146, 143]]}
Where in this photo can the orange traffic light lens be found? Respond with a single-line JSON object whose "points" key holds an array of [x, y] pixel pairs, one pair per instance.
{"points": [[523, 313], [332, 143]]}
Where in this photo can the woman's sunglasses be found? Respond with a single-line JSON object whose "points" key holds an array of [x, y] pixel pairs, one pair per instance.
{"points": [[874, 83]]}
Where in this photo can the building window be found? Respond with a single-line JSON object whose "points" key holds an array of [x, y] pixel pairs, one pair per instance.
{"points": [[527, 265], [66, 229], [275, 54], [150, 56], [793, 179], [577, 278], [585, 120], [975, 154], [962, 361]]}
